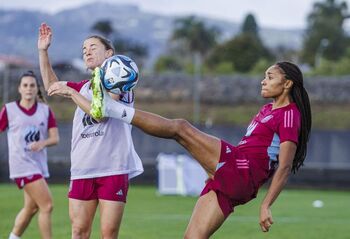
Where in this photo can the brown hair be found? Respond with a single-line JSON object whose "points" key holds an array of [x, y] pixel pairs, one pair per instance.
{"points": [[32, 74], [106, 42]]}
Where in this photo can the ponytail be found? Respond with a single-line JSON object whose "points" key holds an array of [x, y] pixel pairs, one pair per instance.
{"points": [[301, 99]]}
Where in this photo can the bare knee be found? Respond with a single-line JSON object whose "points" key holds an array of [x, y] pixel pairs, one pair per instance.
{"points": [[108, 231], [46, 208], [80, 231]]}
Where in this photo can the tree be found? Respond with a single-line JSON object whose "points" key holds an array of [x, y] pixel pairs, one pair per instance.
{"points": [[325, 36], [123, 46], [167, 63], [250, 26], [195, 36], [243, 50], [104, 27], [198, 39], [132, 49]]}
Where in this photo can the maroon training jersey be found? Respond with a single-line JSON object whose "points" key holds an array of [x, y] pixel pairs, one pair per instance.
{"points": [[269, 128]]}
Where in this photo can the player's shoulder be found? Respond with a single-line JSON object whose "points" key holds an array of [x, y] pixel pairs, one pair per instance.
{"points": [[10, 103], [77, 85], [292, 107], [288, 114]]}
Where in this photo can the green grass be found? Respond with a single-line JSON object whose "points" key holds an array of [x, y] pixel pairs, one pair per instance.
{"points": [[149, 215]]}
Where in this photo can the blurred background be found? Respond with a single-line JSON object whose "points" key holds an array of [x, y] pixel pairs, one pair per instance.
{"points": [[199, 60]]}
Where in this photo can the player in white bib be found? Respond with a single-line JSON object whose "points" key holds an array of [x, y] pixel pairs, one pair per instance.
{"points": [[31, 127], [103, 157]]}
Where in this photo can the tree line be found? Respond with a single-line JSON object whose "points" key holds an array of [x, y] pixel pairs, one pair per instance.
{"points": [[194, 46]]}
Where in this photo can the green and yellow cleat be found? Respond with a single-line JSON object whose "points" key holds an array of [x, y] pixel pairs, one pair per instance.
{"points": [[97, 102]]}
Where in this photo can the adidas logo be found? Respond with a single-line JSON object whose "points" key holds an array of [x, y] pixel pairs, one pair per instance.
{"points": [[228, 150], [124, 113], [267, 118], [120, 193]]}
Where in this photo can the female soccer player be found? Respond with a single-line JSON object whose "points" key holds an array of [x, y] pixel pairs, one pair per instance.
{"points": [[274, 145], [103, 158], [31, 127]]}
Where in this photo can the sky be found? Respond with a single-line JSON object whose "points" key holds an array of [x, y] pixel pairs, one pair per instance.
{"points": [[283, 14]]}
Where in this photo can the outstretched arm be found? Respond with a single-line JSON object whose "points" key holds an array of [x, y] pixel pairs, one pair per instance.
{"points": [[280, 178], [44, 41], [60, 88]]}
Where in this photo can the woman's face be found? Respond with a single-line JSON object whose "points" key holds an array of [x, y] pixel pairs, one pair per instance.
{"points": [[274, 84], [94, 53], [28, 89]]}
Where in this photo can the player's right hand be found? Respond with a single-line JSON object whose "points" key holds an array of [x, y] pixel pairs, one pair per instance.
{"points": [[265, 219], [44, 38]]}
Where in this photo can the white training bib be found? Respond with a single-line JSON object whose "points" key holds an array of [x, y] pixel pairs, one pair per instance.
{"points": [[101, 149], [23, 130]]}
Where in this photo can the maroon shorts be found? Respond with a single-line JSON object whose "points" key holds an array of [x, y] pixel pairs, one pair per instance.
{"points": [[233, 182], [112, 188], [21, 182]]}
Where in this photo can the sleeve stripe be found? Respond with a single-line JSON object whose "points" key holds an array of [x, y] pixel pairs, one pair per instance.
{"points": [[288, 119]]}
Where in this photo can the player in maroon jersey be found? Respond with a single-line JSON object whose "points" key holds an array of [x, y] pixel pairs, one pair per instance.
{"points": [[274, 145]]}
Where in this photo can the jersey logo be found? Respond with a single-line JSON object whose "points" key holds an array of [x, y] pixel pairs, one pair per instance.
{"points": [[31, 134], [88, 120], [228, 150], [120, 193], [242, 142], [251, 128], [124, 113], [267, 118]]}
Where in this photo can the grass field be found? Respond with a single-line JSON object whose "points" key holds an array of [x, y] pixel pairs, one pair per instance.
{"points": [[150, 216]]}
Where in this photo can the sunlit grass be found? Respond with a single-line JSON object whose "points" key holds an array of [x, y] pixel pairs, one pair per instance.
{"points": [[150, 216]]}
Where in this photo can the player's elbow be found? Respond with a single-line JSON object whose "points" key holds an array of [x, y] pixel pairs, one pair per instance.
{"points": [[56, 140], [285, 169]]}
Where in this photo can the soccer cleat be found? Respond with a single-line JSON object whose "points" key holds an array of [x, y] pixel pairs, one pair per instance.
{"points": [[98, 93]]}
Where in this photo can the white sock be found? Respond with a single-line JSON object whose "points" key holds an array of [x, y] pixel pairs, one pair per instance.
{"points": [[13, 236], [118, 110]]}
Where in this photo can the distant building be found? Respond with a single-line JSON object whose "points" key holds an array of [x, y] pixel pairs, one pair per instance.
{"points": [[14, 61]]}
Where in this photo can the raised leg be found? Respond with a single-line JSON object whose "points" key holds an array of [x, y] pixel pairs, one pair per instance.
{"points": [[203, 147]]}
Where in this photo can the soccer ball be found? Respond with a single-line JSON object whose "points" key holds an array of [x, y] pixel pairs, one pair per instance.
{"points": [[119, 74]]}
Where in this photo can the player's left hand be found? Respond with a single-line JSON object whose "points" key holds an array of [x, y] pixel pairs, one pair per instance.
{"points": [[37, 146], [60, 88], [265, 219]]}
